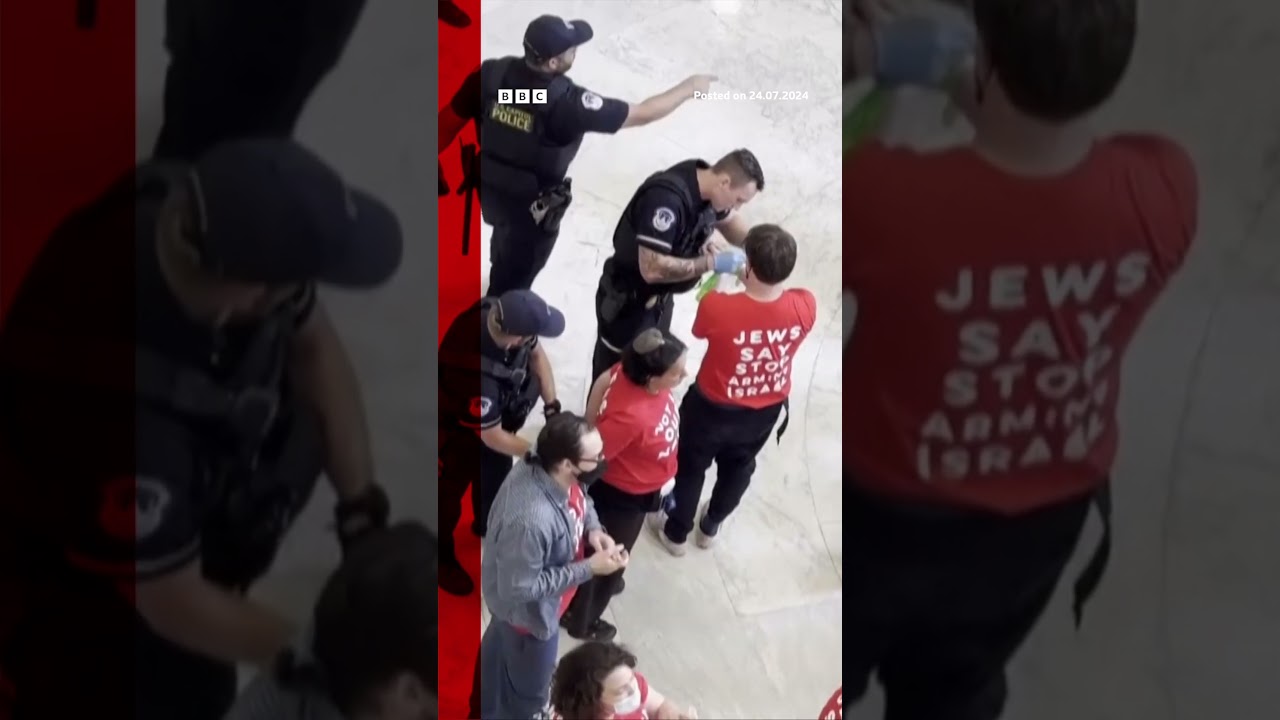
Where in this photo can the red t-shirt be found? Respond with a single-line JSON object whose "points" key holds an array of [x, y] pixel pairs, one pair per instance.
{"points": [[641, 432], [750, 345], [578, 509], [639, 714], [993, 313], [834, 709]]}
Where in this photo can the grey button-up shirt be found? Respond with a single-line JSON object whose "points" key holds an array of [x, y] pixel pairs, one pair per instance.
{"points": [[529, 551]]}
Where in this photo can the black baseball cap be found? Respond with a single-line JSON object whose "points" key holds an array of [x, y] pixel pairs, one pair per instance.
{"points": [[548, 36], [271, 211], [527, 315]]}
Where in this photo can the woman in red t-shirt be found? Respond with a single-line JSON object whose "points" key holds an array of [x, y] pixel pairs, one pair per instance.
{"points": [[598, 681], [639, 421]]}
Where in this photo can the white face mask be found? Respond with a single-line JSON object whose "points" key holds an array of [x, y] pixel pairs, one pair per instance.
{"points": [[631, 702]]}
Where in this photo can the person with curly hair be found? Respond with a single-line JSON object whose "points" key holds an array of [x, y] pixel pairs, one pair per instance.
{"points": [[599, 681]]}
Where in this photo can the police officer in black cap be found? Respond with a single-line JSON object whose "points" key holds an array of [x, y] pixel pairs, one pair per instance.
{"points": [[492, 372], [663, 243], [526, 148], [241, 396]]}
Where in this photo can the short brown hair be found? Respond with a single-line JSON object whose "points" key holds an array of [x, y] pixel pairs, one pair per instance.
{"points": [[742, 167], [771, 253], [1058, 59]]}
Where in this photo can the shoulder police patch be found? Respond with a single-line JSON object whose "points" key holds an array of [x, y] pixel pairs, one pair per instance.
{"points": [[133, 508], [663, 219], [592, 101], [481, 406]]}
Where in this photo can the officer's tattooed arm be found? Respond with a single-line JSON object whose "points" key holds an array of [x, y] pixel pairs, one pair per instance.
{"points": [[541, 366], [658, 268], [323, 375]]}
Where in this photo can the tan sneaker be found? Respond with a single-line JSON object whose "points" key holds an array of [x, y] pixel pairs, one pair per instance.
{"points": [[657, 522]]}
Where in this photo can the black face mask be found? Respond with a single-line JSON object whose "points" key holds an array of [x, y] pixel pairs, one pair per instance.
{"points": [[588, 478]]}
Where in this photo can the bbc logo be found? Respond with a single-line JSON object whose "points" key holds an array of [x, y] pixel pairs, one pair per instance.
{"points": [[522, 97]]}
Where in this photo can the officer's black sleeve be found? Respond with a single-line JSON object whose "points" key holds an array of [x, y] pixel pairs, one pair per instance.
{"points": [[586, 112], [145, 524], [484, 410], [657, 216], [466, 102]]}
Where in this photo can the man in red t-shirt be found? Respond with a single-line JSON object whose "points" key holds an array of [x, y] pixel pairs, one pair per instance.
{"points": [[742, 386], [997, 288]]}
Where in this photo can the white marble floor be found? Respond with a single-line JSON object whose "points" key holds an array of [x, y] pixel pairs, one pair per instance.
{"points": [[751, 629]]}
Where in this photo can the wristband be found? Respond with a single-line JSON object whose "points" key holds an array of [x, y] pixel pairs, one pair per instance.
{"points": [[356, 517]]}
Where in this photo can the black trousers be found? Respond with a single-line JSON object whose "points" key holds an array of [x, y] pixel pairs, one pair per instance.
{"points": [[622, 516], [938, 600], [731, 437], [519, 249], [246, 68], [617, 332], [465, 459]]}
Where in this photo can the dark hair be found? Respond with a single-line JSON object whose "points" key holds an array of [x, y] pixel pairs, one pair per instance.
{"points": [[771, 253], [742, 167], [378, 617], [1058, 59], [650, 355], [560, 439], [578, 682]]}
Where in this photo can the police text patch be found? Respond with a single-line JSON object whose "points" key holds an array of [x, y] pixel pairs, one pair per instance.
{"points": [[592, 101], [663, 219]]}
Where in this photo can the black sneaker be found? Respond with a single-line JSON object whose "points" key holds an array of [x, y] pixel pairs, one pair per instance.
{"points": [[706, 536], [453, 577], [600, 631]]}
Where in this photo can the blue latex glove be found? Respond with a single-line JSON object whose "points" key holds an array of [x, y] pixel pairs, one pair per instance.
{"points": [[729, 261], [920, 51]]}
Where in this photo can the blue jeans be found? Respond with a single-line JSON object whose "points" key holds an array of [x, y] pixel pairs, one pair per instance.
{"points": [[515, 672]]}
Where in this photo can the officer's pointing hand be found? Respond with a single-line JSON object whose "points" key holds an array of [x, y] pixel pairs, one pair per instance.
{"points": [[700, 84]]}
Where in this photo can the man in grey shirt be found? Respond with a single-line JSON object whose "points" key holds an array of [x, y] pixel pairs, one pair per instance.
{"points": [[540, 527]]}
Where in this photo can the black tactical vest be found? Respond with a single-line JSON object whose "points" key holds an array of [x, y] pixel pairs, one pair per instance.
{"points": [[261, 453], [625, 272], [517, 392], [517, 157]]}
